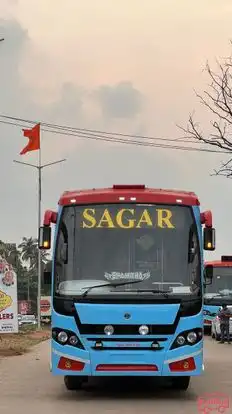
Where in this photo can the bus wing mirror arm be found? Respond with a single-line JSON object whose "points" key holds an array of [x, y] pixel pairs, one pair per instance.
{"points": [[50, 217]]}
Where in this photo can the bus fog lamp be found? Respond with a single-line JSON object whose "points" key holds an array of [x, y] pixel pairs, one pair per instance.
{"points": [[192, 337], [143, 330], [109, 330], [62, 337], [180, 340], [73, 340]]}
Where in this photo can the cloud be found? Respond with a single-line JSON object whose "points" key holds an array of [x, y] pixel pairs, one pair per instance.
{"points": [[73, 75], [11, 52], [69, 105], [122, 100]]}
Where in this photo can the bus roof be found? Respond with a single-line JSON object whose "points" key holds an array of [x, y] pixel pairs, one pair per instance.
{"points": [[128, 193]]}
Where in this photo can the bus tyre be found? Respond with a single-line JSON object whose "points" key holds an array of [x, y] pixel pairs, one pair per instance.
{"points": [[180, 383], [73, 383]]}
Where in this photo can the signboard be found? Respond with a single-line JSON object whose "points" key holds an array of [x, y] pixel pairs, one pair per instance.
{"points": [[24, 307], [128, 218], [8, 298], [45, 306]]}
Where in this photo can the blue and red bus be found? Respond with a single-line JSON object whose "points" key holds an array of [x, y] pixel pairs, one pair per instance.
{"points": [[127, 283], [219, 292]]}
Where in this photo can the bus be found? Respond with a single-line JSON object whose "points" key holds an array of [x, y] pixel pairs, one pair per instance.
{"points": [[127, 283], [220, 291]]}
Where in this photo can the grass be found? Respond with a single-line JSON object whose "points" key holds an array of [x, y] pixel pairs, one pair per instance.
{"points": [[22, 342]]}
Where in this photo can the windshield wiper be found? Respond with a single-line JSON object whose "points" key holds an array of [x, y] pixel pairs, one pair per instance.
{"points": [[110, 285]]}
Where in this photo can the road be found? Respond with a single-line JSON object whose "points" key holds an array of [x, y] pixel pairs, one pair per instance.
{"points": [[26, 386]]}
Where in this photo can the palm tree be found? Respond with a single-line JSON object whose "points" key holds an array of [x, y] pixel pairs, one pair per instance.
{"points": [[29, 254], [28, 248]]}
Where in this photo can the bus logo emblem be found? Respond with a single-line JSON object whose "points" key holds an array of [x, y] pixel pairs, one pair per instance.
{"points": [[127, 316]]}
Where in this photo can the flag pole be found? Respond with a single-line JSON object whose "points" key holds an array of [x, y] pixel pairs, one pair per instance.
{"points": [[35, 144], [39, 251]]}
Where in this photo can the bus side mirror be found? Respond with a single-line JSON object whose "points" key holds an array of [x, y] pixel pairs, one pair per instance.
{"points": [[209, 238], [45, 238], [208, 276]]}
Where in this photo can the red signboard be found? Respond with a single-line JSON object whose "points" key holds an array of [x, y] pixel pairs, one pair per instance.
{"points": [[24, 307], [45, 306]]}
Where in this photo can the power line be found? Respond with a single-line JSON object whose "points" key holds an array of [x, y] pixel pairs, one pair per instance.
{"points": [[117, 140], [95, 131], [105, 136]]}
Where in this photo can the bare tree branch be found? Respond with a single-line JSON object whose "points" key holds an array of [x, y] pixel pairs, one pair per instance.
{"points": [[217, 100]]}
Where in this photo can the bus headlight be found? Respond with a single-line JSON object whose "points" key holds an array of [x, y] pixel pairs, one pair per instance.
{"points": [[192, 337], [180, 340], [143, 330], [187, 338], [66, 337], [73, 340], [62, 337], [109, 330]]}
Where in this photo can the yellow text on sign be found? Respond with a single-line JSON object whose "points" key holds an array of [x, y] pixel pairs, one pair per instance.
{"points": [[5, 301], [125, 219]]}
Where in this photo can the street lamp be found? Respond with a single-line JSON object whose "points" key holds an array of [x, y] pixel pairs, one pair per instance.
{"points": [[39, 169]]}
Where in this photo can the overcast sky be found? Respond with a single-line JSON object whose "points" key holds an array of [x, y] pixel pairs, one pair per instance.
{"points": [[126, 66]]}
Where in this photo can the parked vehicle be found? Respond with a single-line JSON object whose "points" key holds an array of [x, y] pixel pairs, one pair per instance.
{"points": [[215, 327], [27, 320], [220, 291]]}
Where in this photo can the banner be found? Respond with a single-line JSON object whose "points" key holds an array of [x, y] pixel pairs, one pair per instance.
{"points": [[24, 307], [45, 306], [8, 298]]}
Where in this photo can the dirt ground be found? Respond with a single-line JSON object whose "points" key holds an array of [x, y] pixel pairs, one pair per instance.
{"points": [[19, 344], [26, 385]]}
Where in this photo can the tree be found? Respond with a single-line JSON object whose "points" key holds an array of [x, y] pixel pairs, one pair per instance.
{"points": [[27, 248], [29, 254], [29, 251], [27, 276], [218, 101]]}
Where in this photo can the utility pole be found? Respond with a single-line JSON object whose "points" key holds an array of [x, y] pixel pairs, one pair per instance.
{"points": [[39, 169]]}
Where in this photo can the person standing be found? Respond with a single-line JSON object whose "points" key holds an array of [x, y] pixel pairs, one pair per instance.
{"points": [[224, 316]]}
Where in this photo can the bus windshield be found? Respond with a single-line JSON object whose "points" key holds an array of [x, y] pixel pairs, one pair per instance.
{"points": [[221, 283], [155, 244]]}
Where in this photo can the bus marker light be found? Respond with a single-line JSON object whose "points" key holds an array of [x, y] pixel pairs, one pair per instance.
{"points": [[183, 365], [70, 365]]}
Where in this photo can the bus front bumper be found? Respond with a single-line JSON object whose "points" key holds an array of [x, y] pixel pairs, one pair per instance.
{"points": [[186, 360]]}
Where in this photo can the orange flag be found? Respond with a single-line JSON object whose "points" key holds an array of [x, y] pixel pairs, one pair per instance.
{"points": [[33, 135]]}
